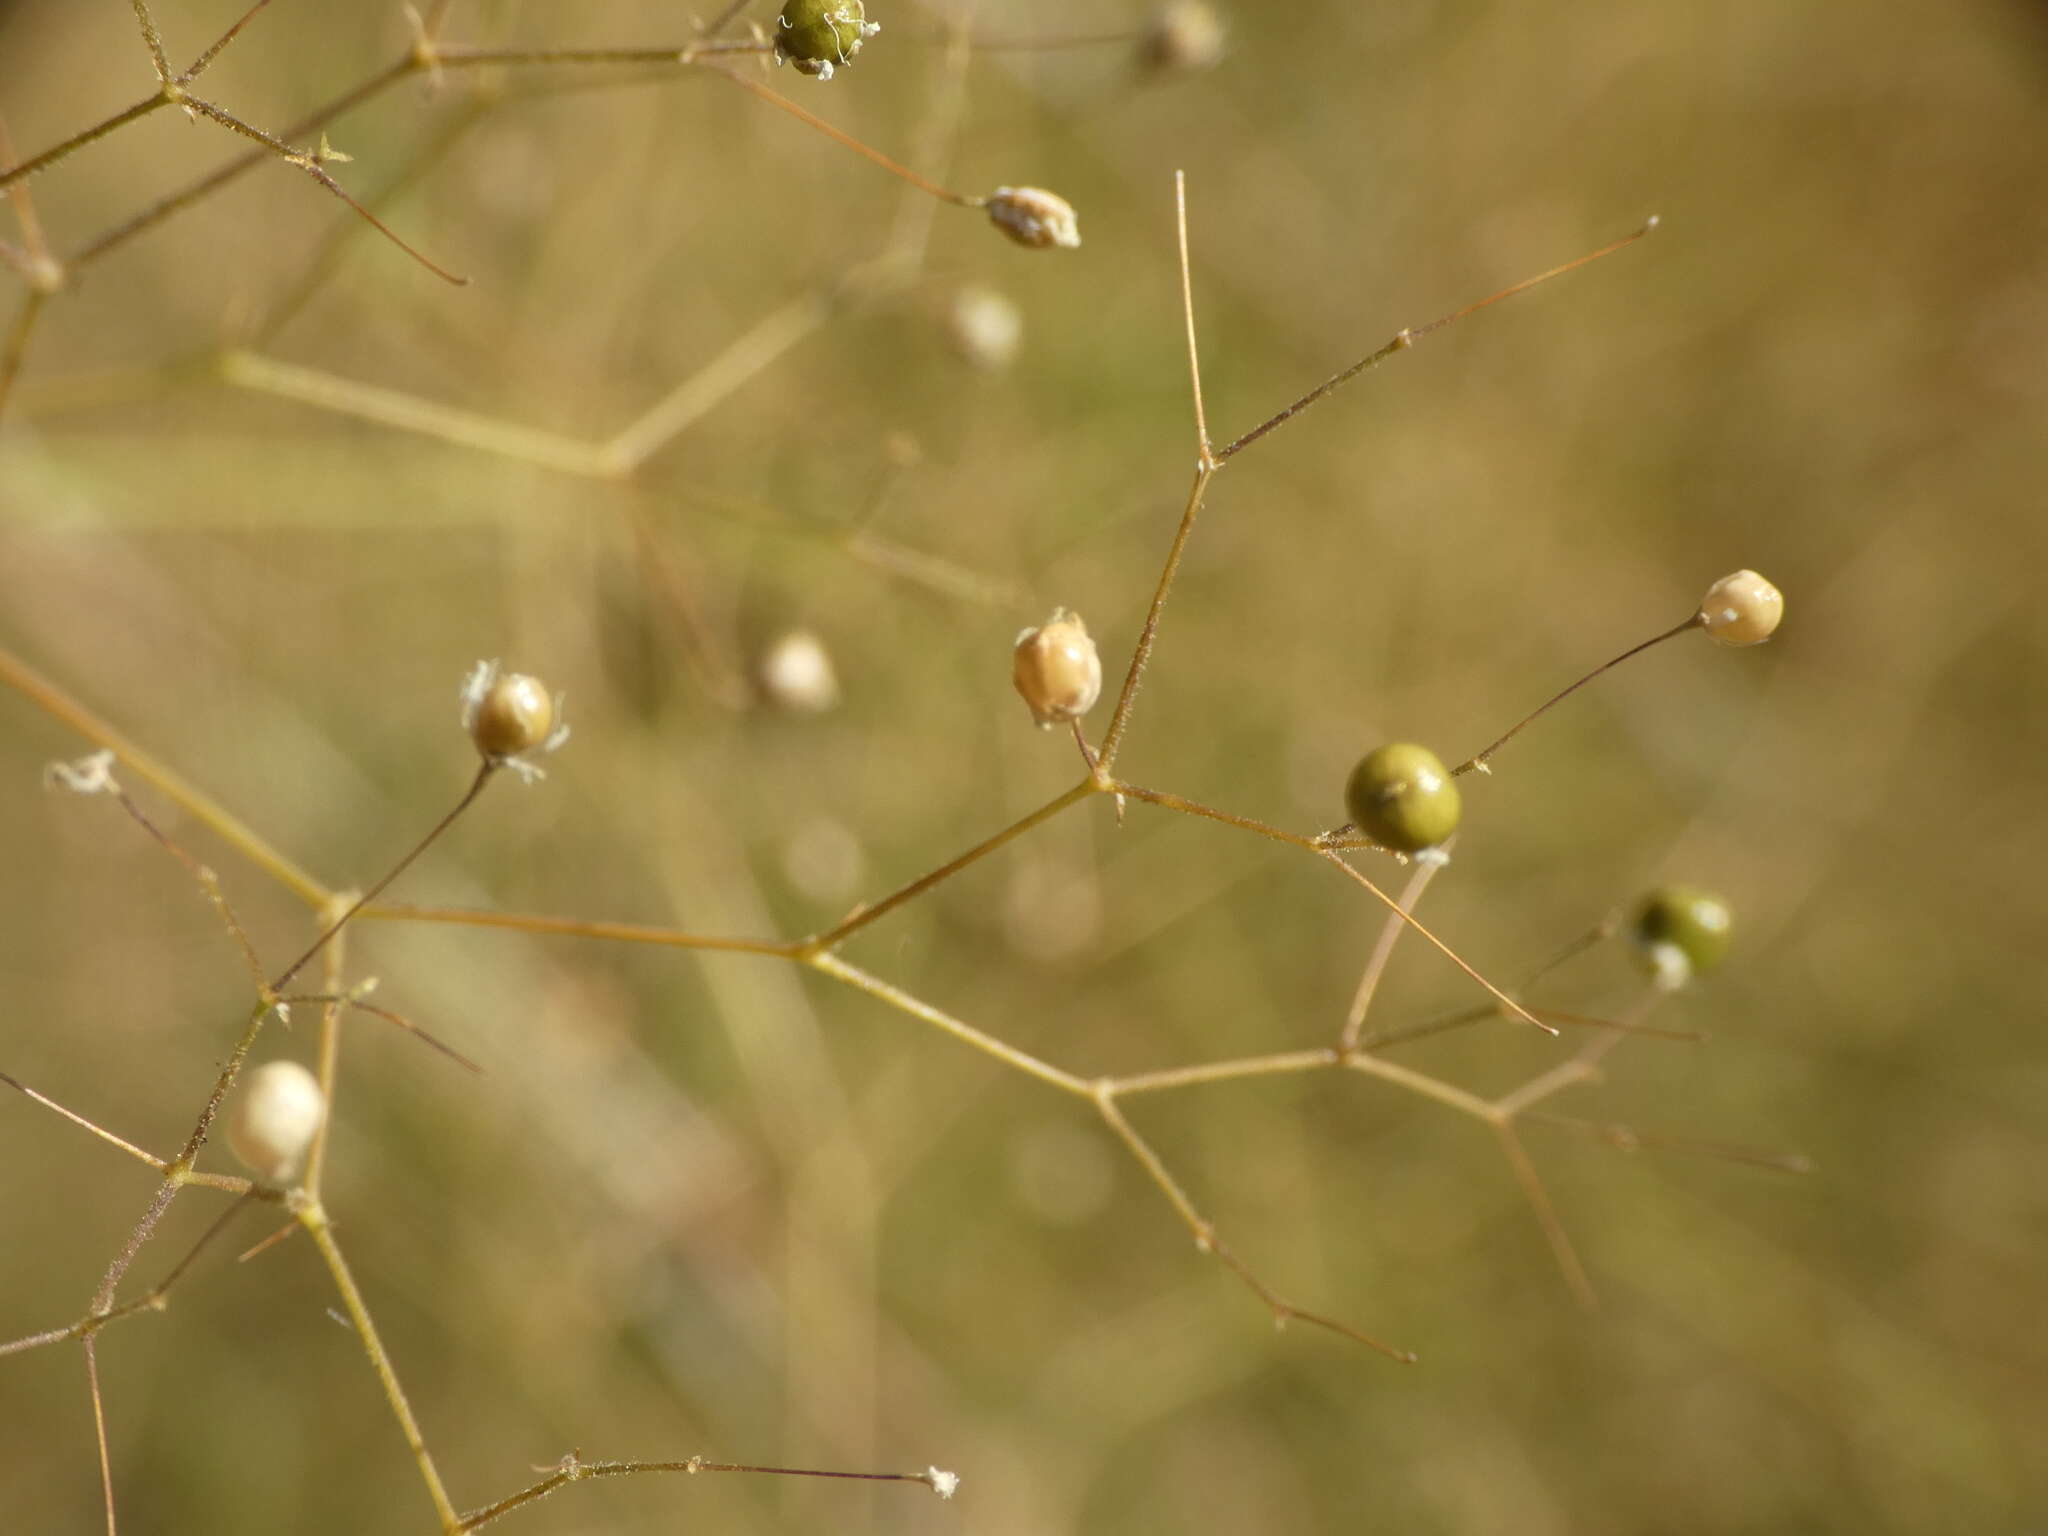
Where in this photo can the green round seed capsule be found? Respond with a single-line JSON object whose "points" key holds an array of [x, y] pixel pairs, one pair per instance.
{"points": [[1401, 797], [1685, 920], [814, 35]]}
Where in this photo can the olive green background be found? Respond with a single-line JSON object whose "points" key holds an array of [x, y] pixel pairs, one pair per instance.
{"points": [[711, 1205]]}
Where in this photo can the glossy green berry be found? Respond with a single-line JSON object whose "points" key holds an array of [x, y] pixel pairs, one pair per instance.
{"points": [[816, 35], [1402, 797], [1681, 931]]}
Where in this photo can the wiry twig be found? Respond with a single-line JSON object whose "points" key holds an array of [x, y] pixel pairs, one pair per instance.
{"points": [[1207, 1241], [1404, 339], [574, 1469]]}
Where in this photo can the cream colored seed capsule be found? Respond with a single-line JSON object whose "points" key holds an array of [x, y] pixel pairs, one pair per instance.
{"points": [[797, 673], [984, 327], [1034, 217], [1056, 669], [1742, 609], [275, 1116], [1181, 36]]}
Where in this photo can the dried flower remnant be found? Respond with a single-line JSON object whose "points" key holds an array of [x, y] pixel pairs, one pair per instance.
{"points": [[816, 36], [1180, 37], [1681, 931], [511, 718], [274, 1118], [1034, 217], [1741, 609], [92, 774], [1056, 669], [1402, 797]]}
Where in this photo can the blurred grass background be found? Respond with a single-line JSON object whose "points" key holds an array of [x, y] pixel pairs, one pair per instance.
{"points": [[709, 1205]]}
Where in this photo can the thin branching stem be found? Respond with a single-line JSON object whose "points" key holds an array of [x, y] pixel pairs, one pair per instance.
{"points": [[32, 238], [1464, 1018], [310, 164], [49, 157], [1436, 1088], [484, 774], [313, 1217], [207, 881], [203, 808], [616, 458], [1402, 340], [153, 40], [205, 60], [1323, 851], [1279, 1064], [1207, 1240], [1575, 1276], [193, 192], [84, 1124], [575, 1470], [412, 413], [871, 911], [1203, 456], [839, 136], [1382, 952], [37, 1340], [174, 1180], [1629, 1138], [1516, 1009], [580, 928], [99, 1430], [682, 53], [333, 964], [861, 981], [1148, 634], [1481, 759], [15, 347]]}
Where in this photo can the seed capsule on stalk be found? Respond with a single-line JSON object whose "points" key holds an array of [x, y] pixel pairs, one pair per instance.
{"points": [[274, 1117], [1180, 37], [1741, 609], [1402, 797], [797, 673], [814, 36], [1056, 669], [1681, 931], [1034, 217], [511, 718]]}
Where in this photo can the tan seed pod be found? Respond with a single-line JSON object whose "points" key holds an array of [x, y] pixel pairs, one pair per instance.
{"points": [[276, 1113], [1056, 669], [1034, 217], [511, 717], [1180, 37], [1742, 609]]}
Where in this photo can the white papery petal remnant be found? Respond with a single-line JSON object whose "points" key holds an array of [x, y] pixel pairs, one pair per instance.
{"points": [[90, 775]]}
